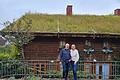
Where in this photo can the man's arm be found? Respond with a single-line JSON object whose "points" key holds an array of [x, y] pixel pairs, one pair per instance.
{"points": [[70, 55]]}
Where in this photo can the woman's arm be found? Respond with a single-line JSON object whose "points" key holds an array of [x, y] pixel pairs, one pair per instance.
{"points": [[77, 57]]}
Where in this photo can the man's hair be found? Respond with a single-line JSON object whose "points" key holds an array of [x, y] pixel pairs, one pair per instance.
{"points": [[66, 44]]}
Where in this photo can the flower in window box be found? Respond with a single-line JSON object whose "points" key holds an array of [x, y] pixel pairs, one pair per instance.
{"points": [[89, 50], [107, 50]]}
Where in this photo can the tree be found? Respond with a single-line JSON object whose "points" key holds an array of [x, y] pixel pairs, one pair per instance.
{"points": [[19, 33]]}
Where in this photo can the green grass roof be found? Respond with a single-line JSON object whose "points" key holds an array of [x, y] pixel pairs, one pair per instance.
{"points": [[74, 23]]}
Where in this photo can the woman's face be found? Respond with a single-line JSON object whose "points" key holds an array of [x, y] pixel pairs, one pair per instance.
{"points": [[73, 47]]}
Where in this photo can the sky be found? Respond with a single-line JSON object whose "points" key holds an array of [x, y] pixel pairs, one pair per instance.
{"points": [[14, 9]]}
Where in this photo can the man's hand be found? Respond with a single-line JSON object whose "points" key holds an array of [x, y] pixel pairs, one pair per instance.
{"points": [[60, 62]]}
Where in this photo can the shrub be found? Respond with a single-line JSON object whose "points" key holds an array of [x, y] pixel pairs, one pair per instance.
{"points": [[9, 52], [53, 74], [81, 74]]}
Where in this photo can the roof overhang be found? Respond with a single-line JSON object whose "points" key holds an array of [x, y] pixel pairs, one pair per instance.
{"points": [[75, 34]]}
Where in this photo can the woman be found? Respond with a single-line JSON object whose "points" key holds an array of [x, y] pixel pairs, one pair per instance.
{"points": [[74, 60]]}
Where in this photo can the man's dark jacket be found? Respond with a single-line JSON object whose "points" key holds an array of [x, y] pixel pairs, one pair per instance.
{"points": [[65, 55]]}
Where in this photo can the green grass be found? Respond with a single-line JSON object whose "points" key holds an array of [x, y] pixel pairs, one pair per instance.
{"points": [[76, 23]]}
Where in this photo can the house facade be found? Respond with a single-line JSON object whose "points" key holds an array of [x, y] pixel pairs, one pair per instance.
{"points": [[91, 46], [96, 50]]}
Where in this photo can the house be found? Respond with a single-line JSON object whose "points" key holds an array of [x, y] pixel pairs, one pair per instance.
{"points": [[96, 37]]}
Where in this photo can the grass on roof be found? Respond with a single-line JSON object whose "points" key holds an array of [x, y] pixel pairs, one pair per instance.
{"points": [[74, 23]]}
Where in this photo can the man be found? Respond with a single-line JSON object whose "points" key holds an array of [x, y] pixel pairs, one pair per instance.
{"points": [[74, 60], [65, 59]]}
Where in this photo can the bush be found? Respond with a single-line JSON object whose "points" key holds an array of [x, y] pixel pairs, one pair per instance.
{"points": [[81, 74], [58, 74], [32, 77], [9, 52], [13, 68], [53, 74]]}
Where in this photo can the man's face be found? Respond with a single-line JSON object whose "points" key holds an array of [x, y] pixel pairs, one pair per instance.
{"points": [[67, 46]]}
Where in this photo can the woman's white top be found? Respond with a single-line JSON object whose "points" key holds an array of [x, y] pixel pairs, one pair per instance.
{"points": [[74, 55]]}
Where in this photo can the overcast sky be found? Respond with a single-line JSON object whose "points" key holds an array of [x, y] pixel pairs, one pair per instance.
{"points": [[13, 9]]}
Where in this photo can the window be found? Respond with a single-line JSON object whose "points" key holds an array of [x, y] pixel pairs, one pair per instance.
{"points": [[88, 47], [106, 48], [62, 43], [105, 44], [87, 43]]}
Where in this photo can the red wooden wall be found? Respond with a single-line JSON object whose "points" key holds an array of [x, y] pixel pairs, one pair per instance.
{"points": [[48, 47]]}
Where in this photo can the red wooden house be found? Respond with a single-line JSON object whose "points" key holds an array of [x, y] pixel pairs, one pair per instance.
{"points": [[96, 37]]}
